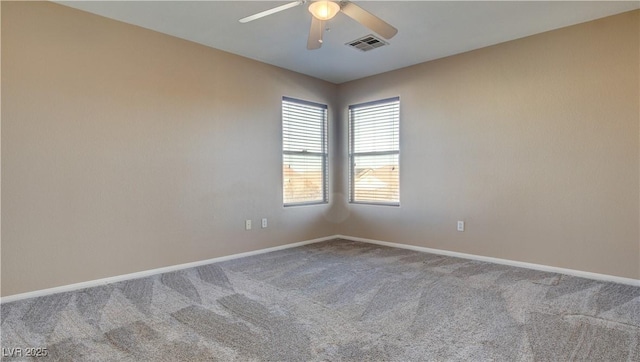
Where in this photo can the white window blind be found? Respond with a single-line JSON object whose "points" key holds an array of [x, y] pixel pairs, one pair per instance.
{"points": [[304, 152], [374, 152]]}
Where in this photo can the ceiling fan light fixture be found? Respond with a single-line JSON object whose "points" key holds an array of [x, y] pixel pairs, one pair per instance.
{"points": [[324, 10]]}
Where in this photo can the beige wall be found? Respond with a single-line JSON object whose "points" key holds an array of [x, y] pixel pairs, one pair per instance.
{"points": [[125, 150], [534, 143]]}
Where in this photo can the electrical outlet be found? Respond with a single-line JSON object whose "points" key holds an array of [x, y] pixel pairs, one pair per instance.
{"points": [[264, 223], [460, 225], [247, 224]]}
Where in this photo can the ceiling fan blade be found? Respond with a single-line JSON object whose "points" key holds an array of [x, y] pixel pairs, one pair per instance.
{"points": [[369, 20], [315, 34], [271, 11]]}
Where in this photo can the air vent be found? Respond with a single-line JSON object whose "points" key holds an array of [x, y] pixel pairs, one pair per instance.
{"points": [[366, 43]]}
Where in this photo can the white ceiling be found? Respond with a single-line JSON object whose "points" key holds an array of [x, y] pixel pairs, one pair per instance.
{"points": [[427, 30]]}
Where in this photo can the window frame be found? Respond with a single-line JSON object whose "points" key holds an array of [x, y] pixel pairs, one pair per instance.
{"points": [[352, 155], [324, 155]]}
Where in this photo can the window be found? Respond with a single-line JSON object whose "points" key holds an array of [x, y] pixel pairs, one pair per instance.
{"points": [[374, 152], [304, 152]]}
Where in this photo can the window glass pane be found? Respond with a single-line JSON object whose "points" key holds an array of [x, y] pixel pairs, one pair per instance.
{"points": [[376, 178], [375, 128], [304, 148], [302, 131], [303, 178]]}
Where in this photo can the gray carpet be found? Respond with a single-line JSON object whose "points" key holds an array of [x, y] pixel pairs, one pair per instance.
{"points": [[335, 301]]}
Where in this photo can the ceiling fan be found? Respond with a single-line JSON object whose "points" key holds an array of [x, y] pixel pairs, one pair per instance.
{"points": [[323, 11]]}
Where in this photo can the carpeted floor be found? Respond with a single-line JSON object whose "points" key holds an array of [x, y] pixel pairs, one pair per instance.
{"points": [[335, 301]]}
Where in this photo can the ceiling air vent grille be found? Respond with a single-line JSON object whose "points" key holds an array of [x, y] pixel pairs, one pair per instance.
{"points": [[366, 43]]}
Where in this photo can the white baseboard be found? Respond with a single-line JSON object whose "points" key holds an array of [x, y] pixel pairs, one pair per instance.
{"points": [[520, 264], [146, 273]]}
